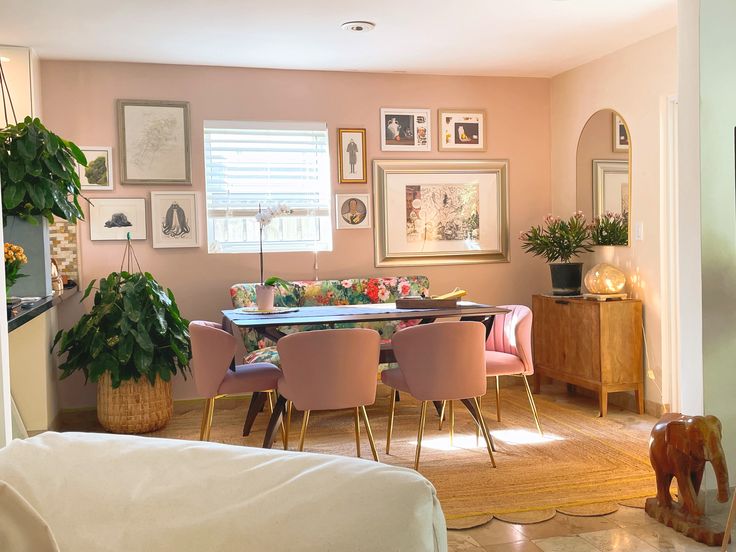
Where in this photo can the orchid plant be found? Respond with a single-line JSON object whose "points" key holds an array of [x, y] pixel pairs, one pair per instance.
{"points": [[264, 217]]}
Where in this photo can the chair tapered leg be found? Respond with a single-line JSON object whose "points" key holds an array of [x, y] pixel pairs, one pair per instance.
{"points": [[498, 399], [390, 427], [305, 422], [452, 421], [532, 404], [477, 430], [442, 414], [287, 428], [483, 427], [367, 425], [209, 411], [420, 434], [356, 415]]}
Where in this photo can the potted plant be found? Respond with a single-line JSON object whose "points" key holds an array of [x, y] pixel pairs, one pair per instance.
{"points": [[265, 291], [131, 342], [559, 241], [608, 230]]}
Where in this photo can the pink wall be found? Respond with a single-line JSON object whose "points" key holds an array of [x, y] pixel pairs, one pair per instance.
{"points": [[79, 103]]}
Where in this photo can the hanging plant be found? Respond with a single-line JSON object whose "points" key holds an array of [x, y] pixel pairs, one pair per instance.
{"points": [[38, 173]]}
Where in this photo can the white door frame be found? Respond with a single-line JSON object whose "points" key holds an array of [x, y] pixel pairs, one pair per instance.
{"points": [[6, 427]]}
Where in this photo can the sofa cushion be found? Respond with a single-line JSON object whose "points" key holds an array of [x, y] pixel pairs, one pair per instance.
{"points": [[22, 529]]}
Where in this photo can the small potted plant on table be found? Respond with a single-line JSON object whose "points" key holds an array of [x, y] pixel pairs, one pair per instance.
{"points": [[265, 291]]}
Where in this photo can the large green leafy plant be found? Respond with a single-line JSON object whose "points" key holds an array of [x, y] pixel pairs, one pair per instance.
{"points": [[558, 239], [133, 330], [38, 173]]}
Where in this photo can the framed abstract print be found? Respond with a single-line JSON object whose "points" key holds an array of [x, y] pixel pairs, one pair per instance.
{"points": [[405, 129], [461, 129], [175, 219], [352, 167], [97, 175]]}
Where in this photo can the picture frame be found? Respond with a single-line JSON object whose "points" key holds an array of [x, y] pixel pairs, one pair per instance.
{"points": [[98, 174], [406, 129], [440, 212], [620, 134], [352, 165], [352, 211], [175, 219], [611, 186], [461, 130], [154, 142], [113, 218]]}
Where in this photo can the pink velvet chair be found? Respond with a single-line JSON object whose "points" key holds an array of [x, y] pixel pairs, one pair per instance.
{"points": [[509, 352], [439, 362], [213, 351], [330, 370]]}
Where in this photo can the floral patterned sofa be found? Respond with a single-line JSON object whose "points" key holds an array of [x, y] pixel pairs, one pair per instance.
{"points": [[353, 291]]}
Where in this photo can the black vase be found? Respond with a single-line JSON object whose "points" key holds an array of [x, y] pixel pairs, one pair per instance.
{"points": [[567, 278]]}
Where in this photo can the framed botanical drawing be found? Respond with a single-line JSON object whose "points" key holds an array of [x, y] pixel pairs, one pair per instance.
{"points": [[352, 167], [112, 219], [97, 175], [620, 134], [352, 211], [440, 212], [175, 219], [405, 129], [153, 139], [461, 129]]}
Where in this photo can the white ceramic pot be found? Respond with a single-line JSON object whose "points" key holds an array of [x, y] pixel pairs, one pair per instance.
{"points": [[264, 297], [606, 253]]}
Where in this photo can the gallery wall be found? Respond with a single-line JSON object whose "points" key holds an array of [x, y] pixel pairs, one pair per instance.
{"points": [[636, 82], [79, 103]]}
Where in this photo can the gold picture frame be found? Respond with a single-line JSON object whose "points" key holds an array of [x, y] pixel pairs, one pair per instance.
{"points": [[440, 212], [346, 154]]}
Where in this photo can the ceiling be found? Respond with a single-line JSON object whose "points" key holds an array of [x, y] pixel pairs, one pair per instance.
{"points": [[533, 38]]}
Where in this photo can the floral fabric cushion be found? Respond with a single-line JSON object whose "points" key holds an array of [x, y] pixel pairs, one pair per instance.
{"points": [[353, 291]]}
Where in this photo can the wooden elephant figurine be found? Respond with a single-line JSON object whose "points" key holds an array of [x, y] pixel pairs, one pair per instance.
{"points": [[679, 447]]}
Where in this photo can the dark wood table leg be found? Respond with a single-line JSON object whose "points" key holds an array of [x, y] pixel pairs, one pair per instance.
{"points": [[471, 408], [273, 423], [257, 401]]}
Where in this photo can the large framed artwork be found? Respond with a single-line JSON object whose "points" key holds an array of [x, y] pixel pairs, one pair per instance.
{"points": [[153, 141], [405, 129], [352, 167], [440, 212], [175, 219], [461, 129], [112, 219], [352, 211], [97, 175]]}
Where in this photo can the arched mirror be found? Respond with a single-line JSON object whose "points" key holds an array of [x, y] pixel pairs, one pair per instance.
{"points": [[603, 180]]}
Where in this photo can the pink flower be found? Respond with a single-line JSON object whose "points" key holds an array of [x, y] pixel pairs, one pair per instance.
{"points": [[383, 293], [346, 284], [404, 288]]}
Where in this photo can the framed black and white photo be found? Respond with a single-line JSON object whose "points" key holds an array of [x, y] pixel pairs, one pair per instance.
{"points": [[405, 129], [352, 211], [462, 129], [620, 134], [175, 219], [433, 212], [154, 142], [97, 175], [352, 166], [112, 219]]}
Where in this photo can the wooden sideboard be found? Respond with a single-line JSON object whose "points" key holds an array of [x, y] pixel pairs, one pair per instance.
{"points": [[596, 345]]}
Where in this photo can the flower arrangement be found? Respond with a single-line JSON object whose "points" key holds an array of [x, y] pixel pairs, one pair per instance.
{"points": [[557, 239], [610, 229], [15, 257], [264, 218]]}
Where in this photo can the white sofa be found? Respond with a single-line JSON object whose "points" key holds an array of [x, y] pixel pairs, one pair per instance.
{"points": [[121, 493]]}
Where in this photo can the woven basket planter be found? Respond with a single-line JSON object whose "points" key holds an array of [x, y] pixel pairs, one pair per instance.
{"points": [[135, 406]]}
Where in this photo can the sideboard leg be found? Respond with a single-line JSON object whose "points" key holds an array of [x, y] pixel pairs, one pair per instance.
{"points": [[603, 401], [639, 395]]}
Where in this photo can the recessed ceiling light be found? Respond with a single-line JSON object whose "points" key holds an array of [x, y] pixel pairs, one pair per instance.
{"points": [[358, 26]]}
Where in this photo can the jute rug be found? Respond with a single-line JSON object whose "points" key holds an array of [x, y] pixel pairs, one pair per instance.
{"points": [[583, 463]]}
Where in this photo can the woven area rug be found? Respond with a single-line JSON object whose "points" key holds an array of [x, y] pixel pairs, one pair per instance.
{"points": [[582, 460]]}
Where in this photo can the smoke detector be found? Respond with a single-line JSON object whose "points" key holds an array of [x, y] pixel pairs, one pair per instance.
{"points": [[358, 26]]}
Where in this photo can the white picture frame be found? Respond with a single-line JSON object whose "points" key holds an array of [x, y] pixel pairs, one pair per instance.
{"points": [[175, 219], [405, 129], [610, 186], [359, 204], [461, 130], [113, 218], [96, 156]]}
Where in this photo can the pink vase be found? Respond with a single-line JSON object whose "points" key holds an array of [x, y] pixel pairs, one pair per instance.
{"points": [[264, 297]]}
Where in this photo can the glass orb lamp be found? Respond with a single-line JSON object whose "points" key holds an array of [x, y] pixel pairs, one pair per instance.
{"points": [[605, 279]]}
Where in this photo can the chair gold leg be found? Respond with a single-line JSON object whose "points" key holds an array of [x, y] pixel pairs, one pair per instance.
{"points": [[485, 430], [289, 406], [452, 421], [532, 404], [420, 434], [498, 399], [442, 414], [390, 427], [356, 415], [367, 425], [305, 422], [477, 430], [209, 411]]}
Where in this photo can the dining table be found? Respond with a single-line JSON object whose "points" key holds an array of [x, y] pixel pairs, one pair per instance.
{"points": [[269, 324]]}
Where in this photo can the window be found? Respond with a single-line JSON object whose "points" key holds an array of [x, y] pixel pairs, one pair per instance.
{"points": [[252, 164]]}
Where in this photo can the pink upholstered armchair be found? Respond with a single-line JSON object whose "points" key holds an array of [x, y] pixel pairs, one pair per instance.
{"points": [[509, 352]]}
